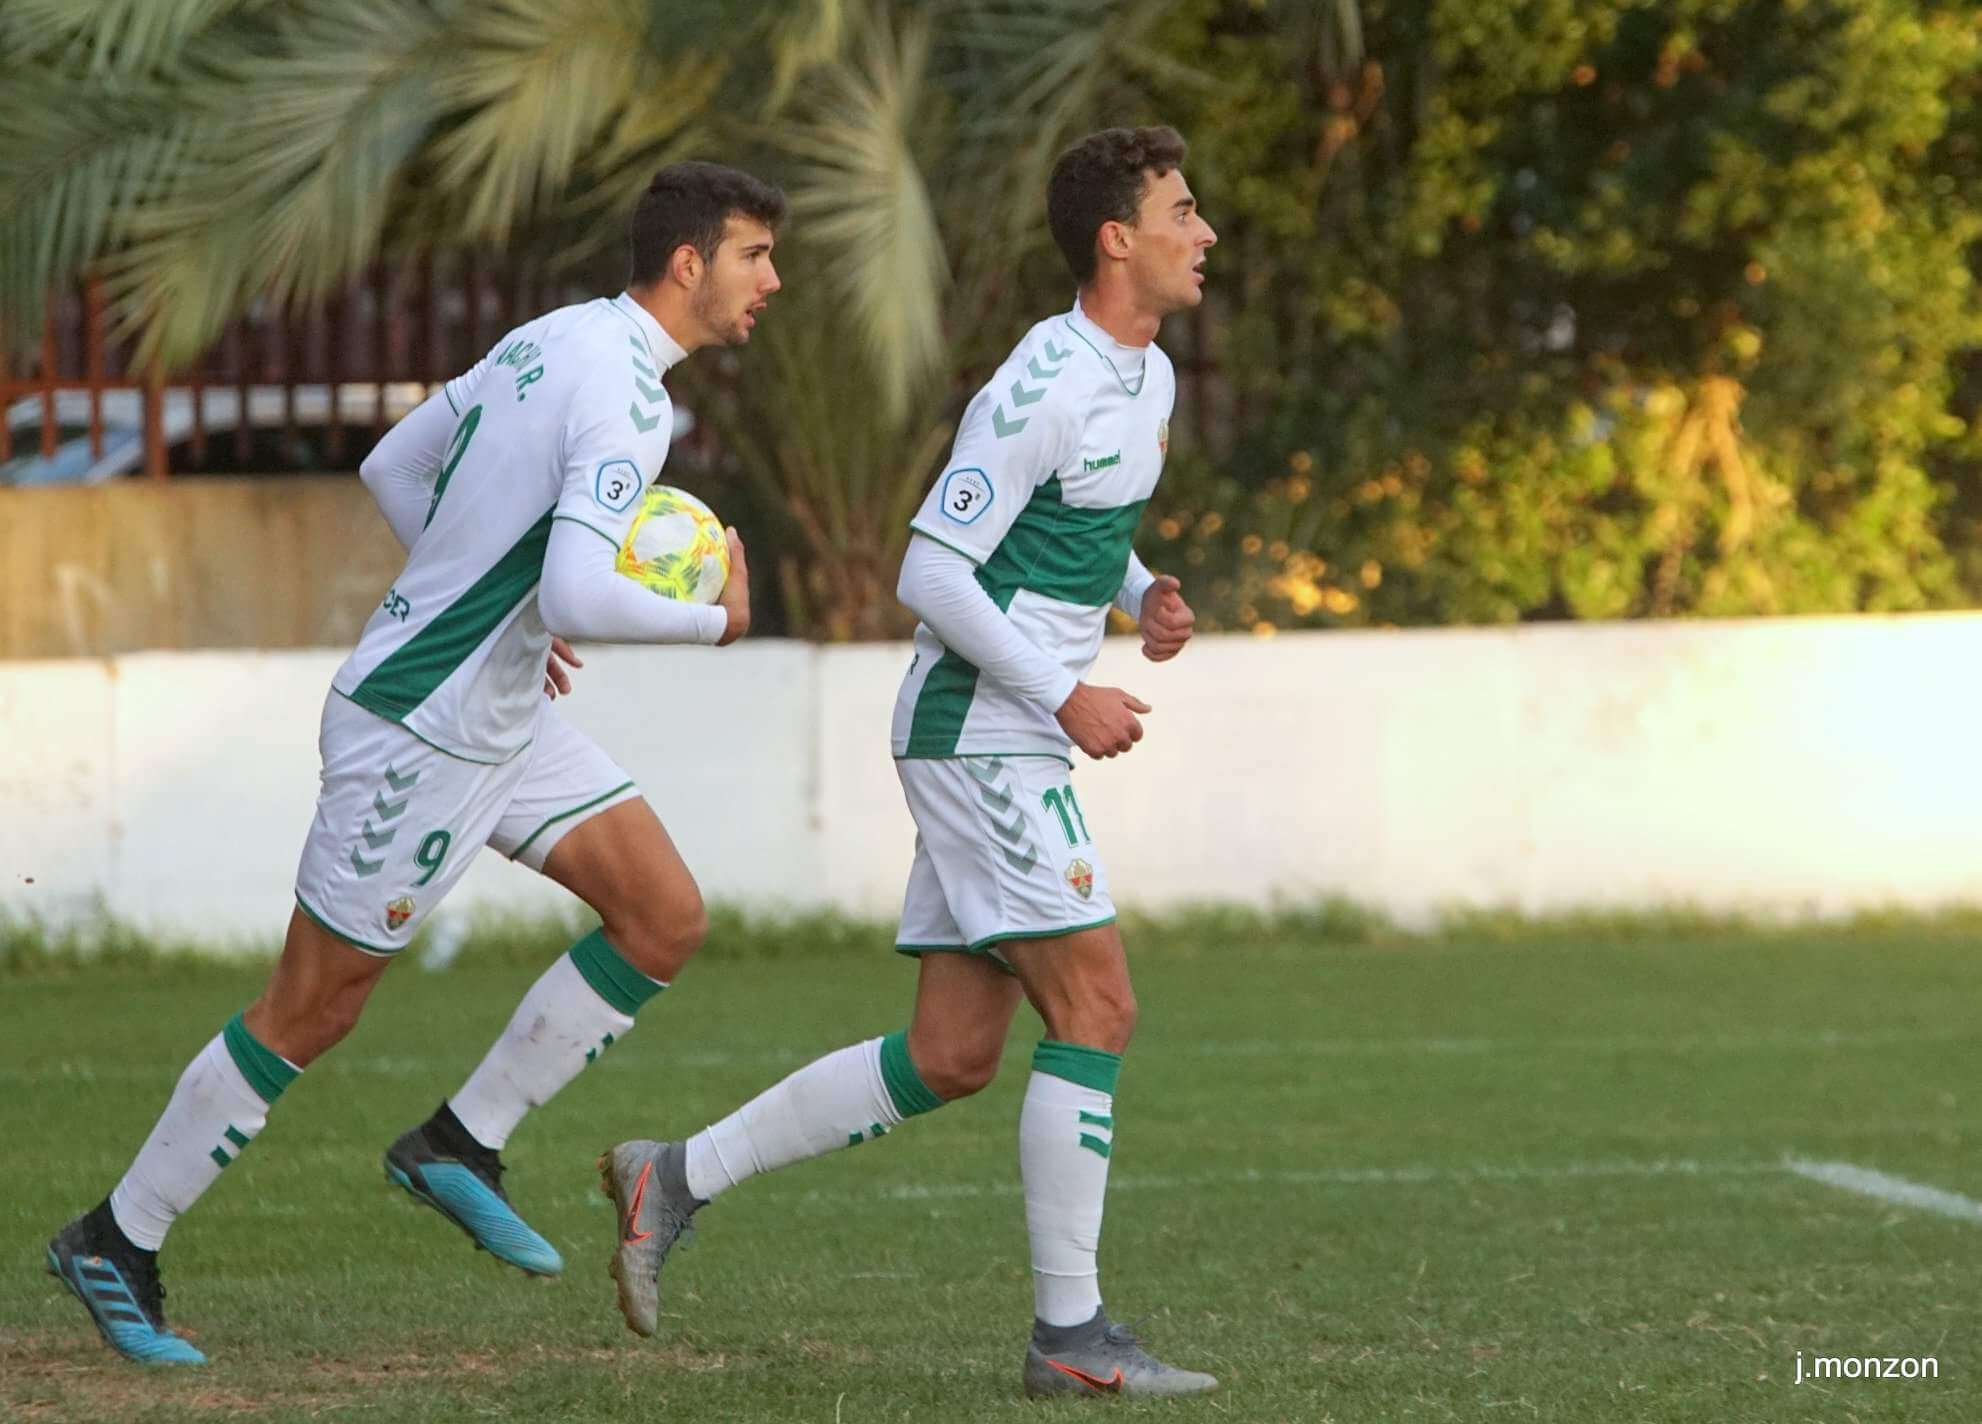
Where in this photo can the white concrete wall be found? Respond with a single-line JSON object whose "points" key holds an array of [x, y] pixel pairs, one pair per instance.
{"points": [[1805, 766]]}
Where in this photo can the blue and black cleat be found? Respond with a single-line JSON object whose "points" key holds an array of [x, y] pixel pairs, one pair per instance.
{"points": [[118, 1284], [443, 1167]]}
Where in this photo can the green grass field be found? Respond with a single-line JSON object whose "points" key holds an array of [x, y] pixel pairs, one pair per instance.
{"points": [[1481, 1177]]}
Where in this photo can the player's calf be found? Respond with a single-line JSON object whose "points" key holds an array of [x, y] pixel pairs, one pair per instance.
{"points": [[574, 1013], [854, 1095]]}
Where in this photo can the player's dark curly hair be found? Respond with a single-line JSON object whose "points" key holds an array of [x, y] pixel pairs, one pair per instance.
{"points": [[688, 203], [1099, 180]]}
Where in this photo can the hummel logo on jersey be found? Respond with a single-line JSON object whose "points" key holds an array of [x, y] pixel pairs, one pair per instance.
{"points": [[1103, 463]]}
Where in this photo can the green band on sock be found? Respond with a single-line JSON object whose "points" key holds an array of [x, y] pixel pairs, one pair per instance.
{"points": [[610, 976], [267, 1073], [911, 1095], [1094, 1068]]}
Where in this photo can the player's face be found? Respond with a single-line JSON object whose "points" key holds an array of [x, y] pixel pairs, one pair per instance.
{"points": [[738, 282], [1166, 262]]}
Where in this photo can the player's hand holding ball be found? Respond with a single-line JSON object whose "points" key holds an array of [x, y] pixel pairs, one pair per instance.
{"points": [[677, 548], [735, 599], [1166, 620], [1102, 720]]}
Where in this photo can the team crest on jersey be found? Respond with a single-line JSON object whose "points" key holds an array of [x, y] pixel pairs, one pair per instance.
{"points": [[398, 912], [1163, 436], [1080, 875]]}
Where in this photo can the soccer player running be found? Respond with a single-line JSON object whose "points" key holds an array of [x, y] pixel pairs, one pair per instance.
{"points": [[512, 490], [1018, 551]]}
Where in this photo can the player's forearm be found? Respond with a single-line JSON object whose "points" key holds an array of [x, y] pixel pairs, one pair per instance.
{"points": [[400, 471], [940, 587], [1134, 585], [582, 597]]}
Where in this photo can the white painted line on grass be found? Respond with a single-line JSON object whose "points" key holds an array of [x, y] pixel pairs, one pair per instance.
{"points": [[1335, 1177], [90, 1070], [1849, 1177], [1597, 1043], [1411, 1175]]}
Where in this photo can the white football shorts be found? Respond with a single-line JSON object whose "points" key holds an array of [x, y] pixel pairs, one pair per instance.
{"points": [[1002, 852], [399, 820]]}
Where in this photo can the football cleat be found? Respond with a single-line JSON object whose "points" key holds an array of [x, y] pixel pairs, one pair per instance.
{"points": [[1100, 1357], [118, 1285], [648, 1183], [441, 1166]]}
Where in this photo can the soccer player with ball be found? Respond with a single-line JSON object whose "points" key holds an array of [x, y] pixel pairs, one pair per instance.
{"points": [[1018, 552], [519, 492]]}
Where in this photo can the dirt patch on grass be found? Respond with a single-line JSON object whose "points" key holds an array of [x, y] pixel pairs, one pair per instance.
{"points": [[60, 1377], [51, 1378]]}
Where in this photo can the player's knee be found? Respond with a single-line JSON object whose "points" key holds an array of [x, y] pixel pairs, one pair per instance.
{"points": [[659, 941], [957, 1072], [303, 1031], [1118, 1023], [1105, 1018]]}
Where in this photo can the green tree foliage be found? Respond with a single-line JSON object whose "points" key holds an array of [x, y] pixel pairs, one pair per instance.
{"points": [[1568, 309]]}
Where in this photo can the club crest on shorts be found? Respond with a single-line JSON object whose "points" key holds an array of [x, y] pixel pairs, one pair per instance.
{"points": [[398, 912], [1080, 875]]}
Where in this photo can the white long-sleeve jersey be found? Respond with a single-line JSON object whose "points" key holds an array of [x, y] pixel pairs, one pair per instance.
{"points": [[513, 490], [1054, 460]]}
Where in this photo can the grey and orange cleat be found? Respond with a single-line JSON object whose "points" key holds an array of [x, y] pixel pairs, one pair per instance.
{"points": [[1100, 1357], [118, 1285], [440, 1165], [648, 1183]]}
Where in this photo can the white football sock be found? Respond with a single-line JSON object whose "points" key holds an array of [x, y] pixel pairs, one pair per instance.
{"points": [[220, 1104], [562, 1025], [1066, 1133], [852, 1095]]}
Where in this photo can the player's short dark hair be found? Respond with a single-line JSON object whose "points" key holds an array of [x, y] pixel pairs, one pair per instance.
{"points": [[1099, 180], [689, 203]]}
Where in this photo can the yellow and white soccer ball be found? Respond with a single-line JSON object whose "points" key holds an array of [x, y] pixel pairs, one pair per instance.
{"points": [[676, 547]]}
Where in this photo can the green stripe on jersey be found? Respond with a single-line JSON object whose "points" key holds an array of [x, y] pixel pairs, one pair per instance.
{"points": [[1062, 551], [946, 694], [411, 672], [941, 706], [1056, 549]]}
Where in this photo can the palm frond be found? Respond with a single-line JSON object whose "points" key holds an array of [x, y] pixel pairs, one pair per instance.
{"points": [[70, 176], [811, 36], [541, 89], [110, 36], [866, 209], [291, 194], [1033, 74]]}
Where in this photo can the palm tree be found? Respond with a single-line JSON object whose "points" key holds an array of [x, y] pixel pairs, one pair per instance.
{"points": [[201, 155]]}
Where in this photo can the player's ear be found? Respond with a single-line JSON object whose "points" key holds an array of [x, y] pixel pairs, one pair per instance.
{"points": [[1113, 240], [685, 266]]}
